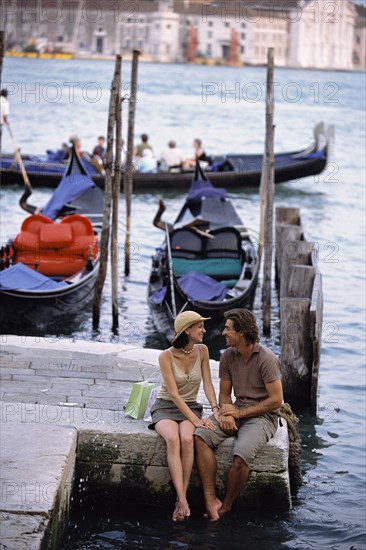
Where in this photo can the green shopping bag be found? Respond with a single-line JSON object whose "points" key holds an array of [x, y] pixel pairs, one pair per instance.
{"points": [[138, 399]]}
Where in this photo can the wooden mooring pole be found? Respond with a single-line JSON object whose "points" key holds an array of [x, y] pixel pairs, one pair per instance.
{"points": [[267, 198], [2, 52], [301, 310], [104, 240], [129, 165], [116, 186]]}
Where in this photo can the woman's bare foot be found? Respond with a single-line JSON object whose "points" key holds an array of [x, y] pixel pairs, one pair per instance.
{"points": [[212, 509], [181, 511]]}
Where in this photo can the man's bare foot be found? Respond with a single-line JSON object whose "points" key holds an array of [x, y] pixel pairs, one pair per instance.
{"points": [[212, 509], [181, 511], [223, 510]]}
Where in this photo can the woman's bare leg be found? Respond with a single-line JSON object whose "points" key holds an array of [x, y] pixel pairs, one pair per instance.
{"points": [[169, 431]]}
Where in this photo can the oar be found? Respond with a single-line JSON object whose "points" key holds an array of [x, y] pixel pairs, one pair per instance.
{"points": [[171, 275], [28, 188]]}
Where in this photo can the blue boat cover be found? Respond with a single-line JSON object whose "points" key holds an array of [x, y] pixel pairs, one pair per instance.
{"points": [[21, 277], [315, 155], [68, 190], [158, 296], [203, 188], [198, 286]]}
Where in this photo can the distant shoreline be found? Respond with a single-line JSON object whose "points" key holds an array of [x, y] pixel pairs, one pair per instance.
{"points": [[149, 59]]}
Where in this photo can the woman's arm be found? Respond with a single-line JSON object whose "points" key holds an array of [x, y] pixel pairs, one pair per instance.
{"points": [[207, 380], [165, 363]]}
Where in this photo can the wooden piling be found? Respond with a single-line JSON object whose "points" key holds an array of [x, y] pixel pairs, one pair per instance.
{"points": [[2, 52], [301, 310], [296, 351], [104, 240], [267, 198], [115, 196], [128, 182]]}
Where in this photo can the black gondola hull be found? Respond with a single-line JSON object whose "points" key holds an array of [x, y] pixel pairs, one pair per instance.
{"points": [[247, 174], [21, 309], [164, 321]]}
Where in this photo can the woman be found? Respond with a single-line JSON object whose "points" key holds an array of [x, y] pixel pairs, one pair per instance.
{"points": [[199, 154], [176, 413]]}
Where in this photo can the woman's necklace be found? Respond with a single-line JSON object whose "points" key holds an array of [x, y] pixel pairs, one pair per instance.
{"points": [[187, 352]]}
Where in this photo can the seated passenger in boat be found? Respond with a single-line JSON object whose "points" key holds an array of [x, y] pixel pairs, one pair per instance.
{"points": [[148, 163], [172, 158], [199, 154]]}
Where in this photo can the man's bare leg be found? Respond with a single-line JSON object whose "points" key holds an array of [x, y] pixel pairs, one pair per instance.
{"points": [[207, 467], [237, 477]]}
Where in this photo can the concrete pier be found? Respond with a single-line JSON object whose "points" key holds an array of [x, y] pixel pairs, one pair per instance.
{"points": [[63, 405]]}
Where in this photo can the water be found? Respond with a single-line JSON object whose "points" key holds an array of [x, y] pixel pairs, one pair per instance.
{"points": [[329, 511]]}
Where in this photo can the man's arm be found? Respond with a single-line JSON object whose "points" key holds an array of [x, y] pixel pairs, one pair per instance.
{"points": [[227, 422], [271, 403]]}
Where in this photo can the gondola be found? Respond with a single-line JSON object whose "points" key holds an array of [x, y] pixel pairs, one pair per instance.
{"points": [[48, 271], [234, 171], [208, 261]]}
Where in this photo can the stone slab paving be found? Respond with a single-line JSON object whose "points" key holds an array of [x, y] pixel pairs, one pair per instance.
{"points": [[56, 395]]}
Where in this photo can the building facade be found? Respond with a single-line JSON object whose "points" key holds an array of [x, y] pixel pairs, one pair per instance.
{"points": [[326, 34]]}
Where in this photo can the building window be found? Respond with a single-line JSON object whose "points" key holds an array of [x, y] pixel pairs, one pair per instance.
{"points": [[358, 39], [209, 50], [227, 24], [242, 49], [210, 24], [168, 26], [243, 35], [243, 25]]}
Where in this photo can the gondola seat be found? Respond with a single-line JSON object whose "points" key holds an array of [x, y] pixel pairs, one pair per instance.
{"points": [[218, 255], [56, 249]]}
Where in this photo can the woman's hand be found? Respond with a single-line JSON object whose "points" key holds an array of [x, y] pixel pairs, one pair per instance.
{"points": [[206, 423]]}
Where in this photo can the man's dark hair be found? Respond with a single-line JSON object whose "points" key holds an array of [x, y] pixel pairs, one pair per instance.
{"points": [[4, 92], [144, 138], [244, 321]]}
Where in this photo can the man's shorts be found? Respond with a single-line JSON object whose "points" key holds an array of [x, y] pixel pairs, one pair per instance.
{"points": [[252, 435]]}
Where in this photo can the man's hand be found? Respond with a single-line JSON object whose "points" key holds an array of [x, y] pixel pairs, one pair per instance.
{"points": [[227, 422], [228, 410]]}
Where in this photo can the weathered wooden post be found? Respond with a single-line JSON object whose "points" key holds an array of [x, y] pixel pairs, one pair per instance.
{"points": [[267, 198], [129, 165], [301, 310], [116, 187], [296, 353], [104, 240], [2, 52]]}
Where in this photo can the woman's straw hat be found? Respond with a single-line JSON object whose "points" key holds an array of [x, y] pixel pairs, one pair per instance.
{"points": [[185, 320]]}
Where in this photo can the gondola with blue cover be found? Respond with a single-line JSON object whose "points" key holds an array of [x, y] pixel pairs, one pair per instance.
{"points": [[207, 262]]}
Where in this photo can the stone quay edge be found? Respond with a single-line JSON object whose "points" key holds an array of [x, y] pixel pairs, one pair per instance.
{"points": [[62, 411]]}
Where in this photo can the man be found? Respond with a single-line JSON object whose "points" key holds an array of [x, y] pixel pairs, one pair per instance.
{"points": [[252, 372], [172, 158], [139, 150], [99, 149], [4, 103], [4, 111]]}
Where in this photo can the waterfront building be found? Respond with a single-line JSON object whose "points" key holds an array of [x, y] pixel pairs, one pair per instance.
{"points": [[304, 33]]}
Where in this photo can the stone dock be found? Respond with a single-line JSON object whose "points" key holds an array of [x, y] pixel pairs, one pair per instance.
{"points": [[62, 417]]}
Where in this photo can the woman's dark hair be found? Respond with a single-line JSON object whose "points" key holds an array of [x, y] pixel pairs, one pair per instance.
{"points": [[244, 321], [181, 341]]}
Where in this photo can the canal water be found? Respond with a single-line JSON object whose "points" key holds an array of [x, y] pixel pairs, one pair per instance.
{"points": [[51, 100]]}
